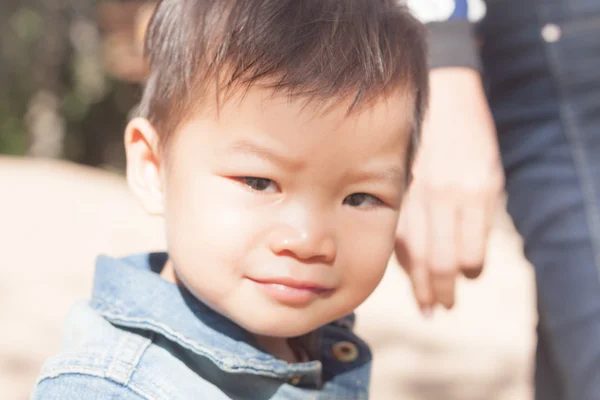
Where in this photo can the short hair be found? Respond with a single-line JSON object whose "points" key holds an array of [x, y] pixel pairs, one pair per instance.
{"points": [[316, 49]]}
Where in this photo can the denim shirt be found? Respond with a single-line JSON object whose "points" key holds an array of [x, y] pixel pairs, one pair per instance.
{"points": [[142, 337]]}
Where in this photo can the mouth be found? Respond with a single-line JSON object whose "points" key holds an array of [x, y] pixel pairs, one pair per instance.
{"points": [[292, 292]]}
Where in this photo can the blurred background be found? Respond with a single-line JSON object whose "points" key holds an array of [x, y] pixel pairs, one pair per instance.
{"points": [[70, 73]]}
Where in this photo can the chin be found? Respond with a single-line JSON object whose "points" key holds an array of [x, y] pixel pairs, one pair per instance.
{"points": [[273, 326]]}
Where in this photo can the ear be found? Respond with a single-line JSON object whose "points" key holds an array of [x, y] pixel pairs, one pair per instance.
{"points": [[143, 165]]}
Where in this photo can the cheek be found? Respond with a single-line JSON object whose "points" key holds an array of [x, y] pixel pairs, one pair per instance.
{"points": [[367, 250], [208, 231]]}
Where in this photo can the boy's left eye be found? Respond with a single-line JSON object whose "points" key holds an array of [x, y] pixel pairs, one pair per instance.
{"points": [[259, 184], [362, 200]]}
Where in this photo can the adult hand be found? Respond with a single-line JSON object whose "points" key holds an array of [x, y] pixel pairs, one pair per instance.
{"points": [[457, 180]]}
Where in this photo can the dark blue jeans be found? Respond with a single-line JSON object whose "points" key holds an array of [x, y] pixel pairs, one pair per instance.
{"points": [[542, 67]]}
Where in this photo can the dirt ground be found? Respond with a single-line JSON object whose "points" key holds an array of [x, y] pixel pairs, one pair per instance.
{"points": [[56, 217]]}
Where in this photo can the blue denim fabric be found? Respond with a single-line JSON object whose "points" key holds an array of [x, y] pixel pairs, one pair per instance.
{"points": [[141, 337], [545, 95]]}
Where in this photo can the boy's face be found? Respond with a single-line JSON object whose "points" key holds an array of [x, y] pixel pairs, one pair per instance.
{"points": [[278, 215]]}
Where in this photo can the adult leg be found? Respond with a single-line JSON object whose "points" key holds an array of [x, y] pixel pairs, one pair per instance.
{"points": [[542, 58]]}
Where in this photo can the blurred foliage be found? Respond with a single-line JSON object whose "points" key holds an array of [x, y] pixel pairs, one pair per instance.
{"points": [[56, 97]]}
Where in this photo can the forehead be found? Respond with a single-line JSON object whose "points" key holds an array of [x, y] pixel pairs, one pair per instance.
{"points": [[266, 109], [302, 127]]}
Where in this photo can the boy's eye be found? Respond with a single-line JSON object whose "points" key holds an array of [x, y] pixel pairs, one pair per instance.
{"points": [[259, 184], [362, 200]]}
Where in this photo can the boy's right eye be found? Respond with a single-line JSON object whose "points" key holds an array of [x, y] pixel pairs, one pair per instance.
{"points": [[259, 184]]}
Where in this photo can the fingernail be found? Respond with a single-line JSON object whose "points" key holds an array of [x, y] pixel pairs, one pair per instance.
{"points": [[427, 312]]}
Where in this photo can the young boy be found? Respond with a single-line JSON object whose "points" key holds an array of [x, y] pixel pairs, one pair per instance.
{"points": [[275, 138]]}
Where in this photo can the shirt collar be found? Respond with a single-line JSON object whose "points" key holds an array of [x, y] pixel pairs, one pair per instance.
{"points": [[129, 292]]}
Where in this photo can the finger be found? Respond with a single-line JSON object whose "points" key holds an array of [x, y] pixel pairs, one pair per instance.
{"points": [[411, 246], [419, 278], [442, 249], [421, 283], [472, 236]]}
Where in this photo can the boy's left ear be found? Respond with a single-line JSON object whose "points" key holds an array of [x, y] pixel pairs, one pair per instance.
{"points": [[143, 165]]}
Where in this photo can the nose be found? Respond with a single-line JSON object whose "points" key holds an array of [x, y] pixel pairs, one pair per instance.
{"points": [[313, 244]]}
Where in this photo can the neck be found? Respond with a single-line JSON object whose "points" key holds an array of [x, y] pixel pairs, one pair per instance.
{"points": [[279, 347], [168, 273]]}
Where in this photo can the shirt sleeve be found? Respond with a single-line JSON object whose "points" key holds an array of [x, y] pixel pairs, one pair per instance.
{"points": [[81, 386], [450, 23]]}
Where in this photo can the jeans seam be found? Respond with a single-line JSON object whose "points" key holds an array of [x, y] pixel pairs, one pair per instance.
{"points": [[579, 158]]}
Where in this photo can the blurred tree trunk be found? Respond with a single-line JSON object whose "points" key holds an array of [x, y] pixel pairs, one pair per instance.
{"points": [[44, 123]]}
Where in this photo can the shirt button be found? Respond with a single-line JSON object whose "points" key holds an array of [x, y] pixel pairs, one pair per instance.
{"points": [[345, 352], [551, 33], [295, 380]]}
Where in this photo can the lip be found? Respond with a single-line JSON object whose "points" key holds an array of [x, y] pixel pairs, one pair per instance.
{"points": [[293, 283], [290, 291]]}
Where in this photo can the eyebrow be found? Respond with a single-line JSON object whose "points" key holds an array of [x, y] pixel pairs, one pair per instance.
{"points": [[251, 148], [393, 174]]}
